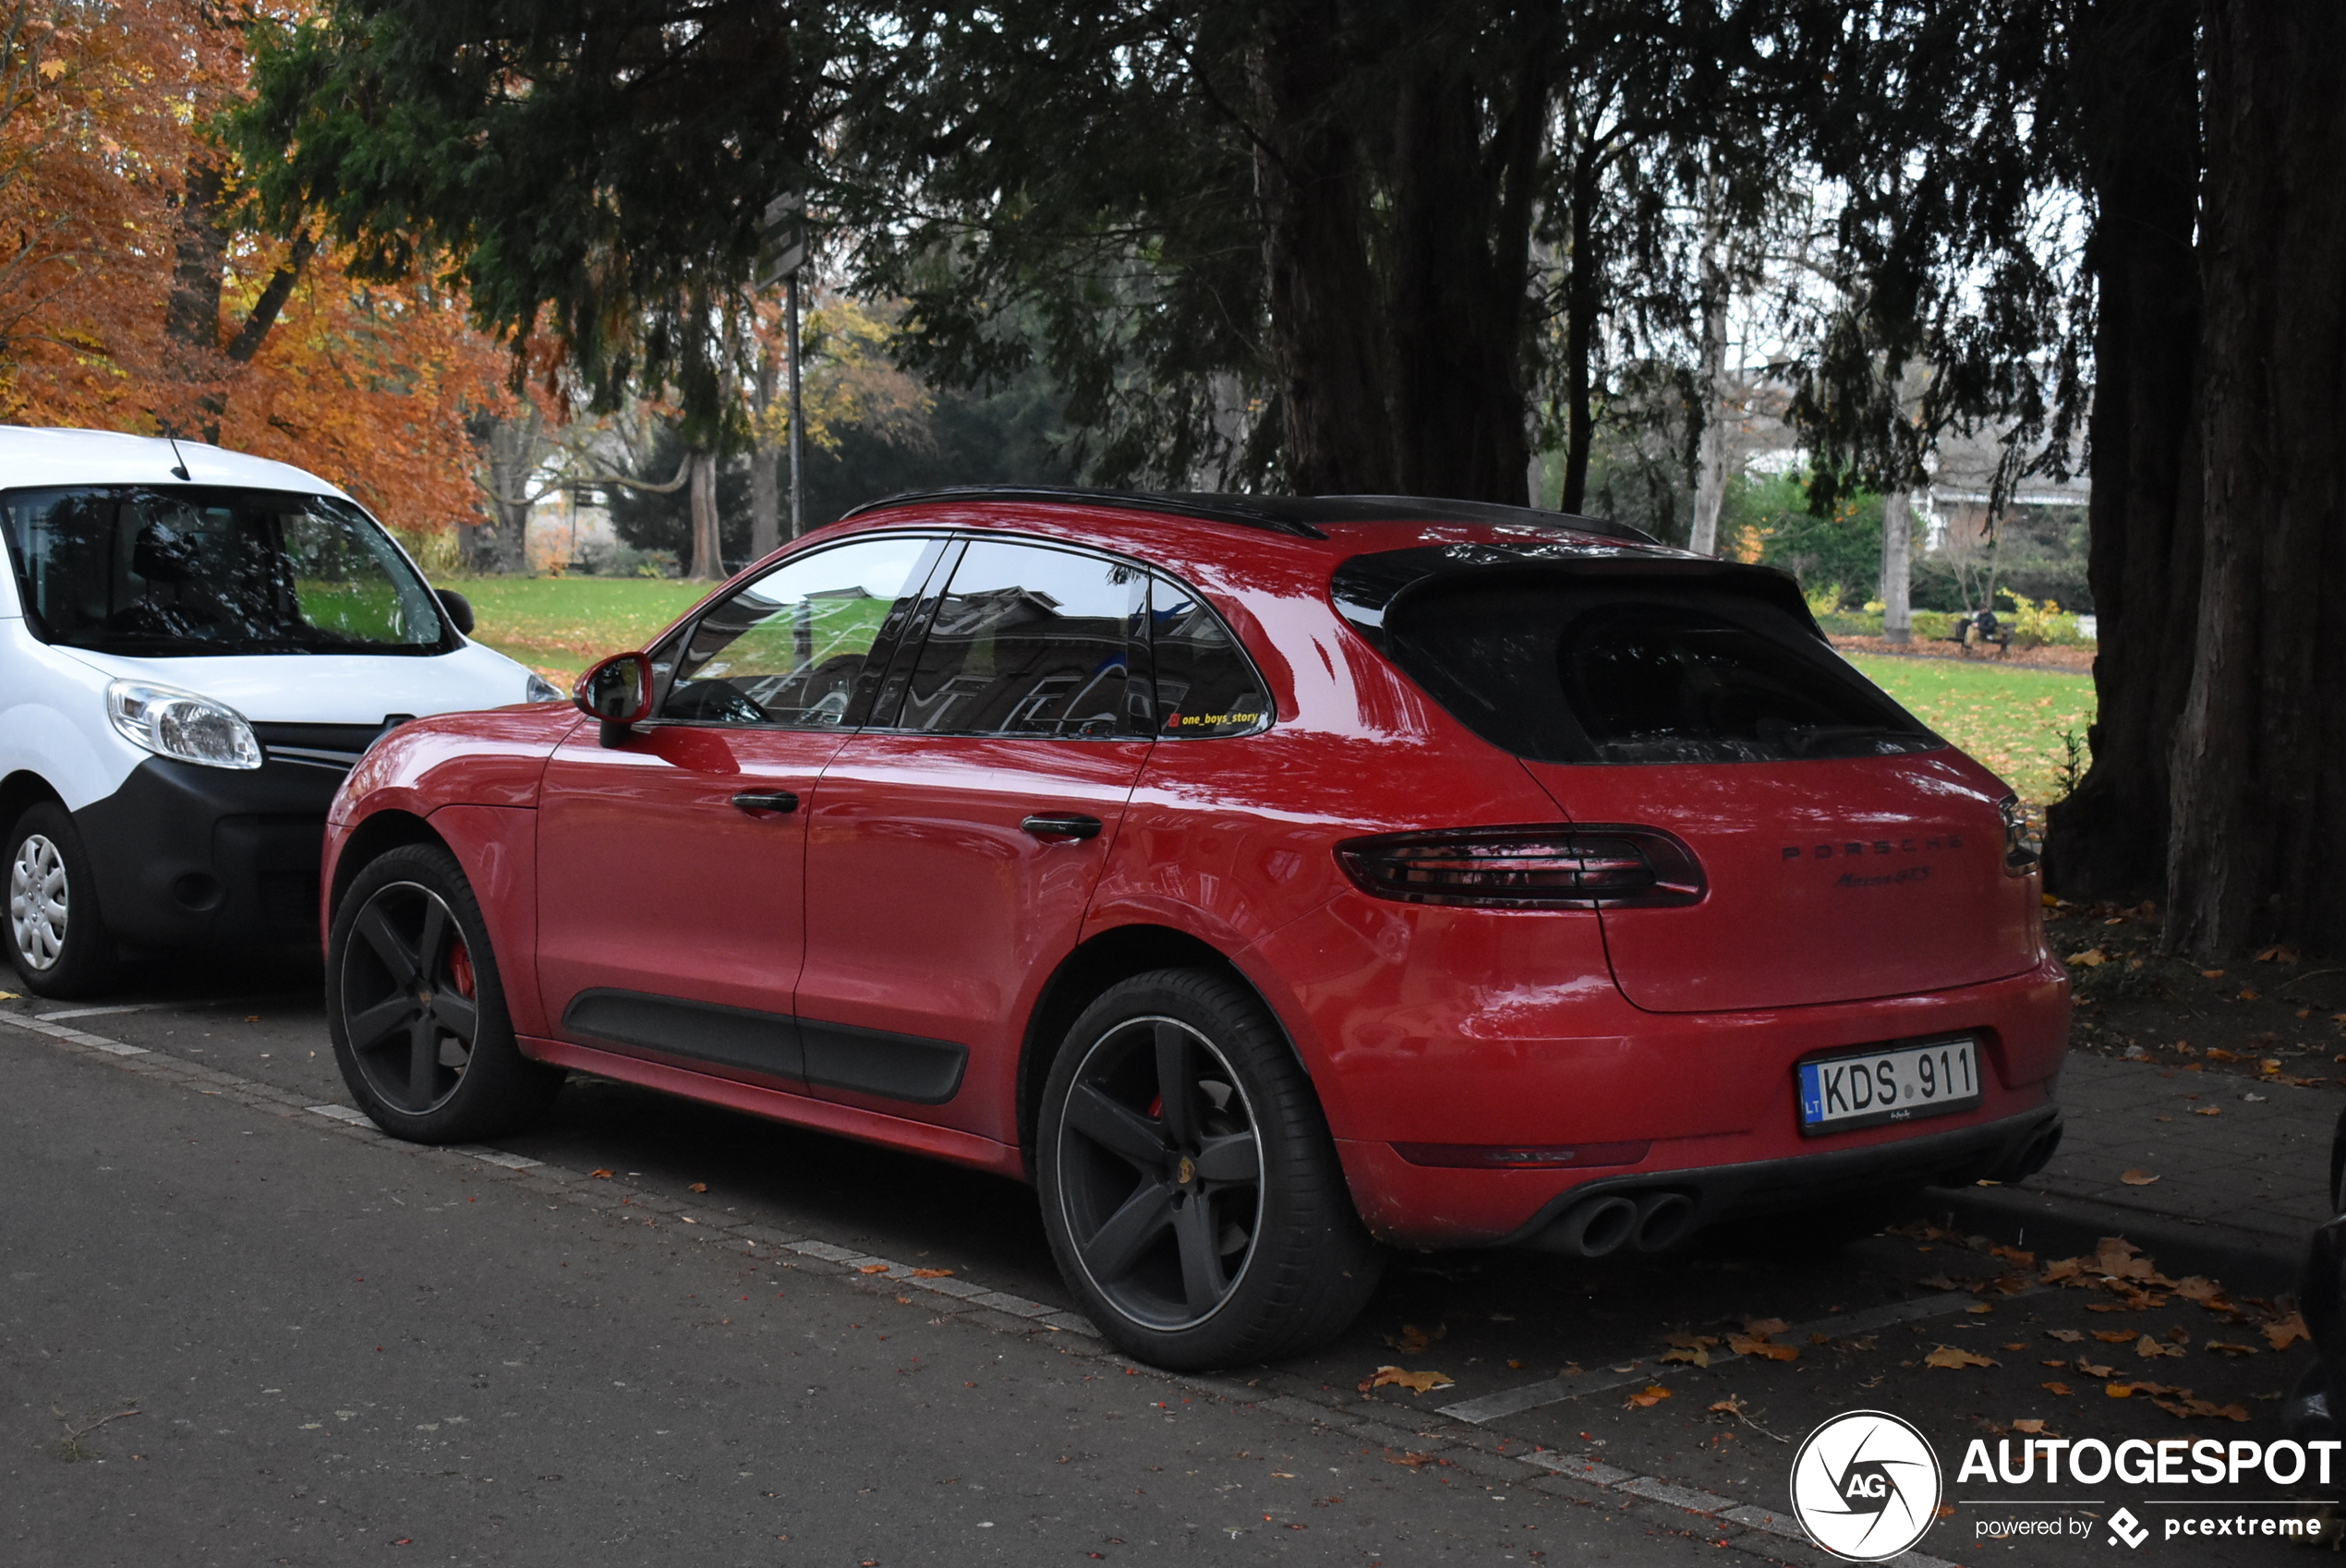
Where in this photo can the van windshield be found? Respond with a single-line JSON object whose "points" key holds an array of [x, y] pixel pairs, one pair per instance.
{"points": [[199, 569]]}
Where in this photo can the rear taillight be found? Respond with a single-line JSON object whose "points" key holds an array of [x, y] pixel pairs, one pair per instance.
{"points": [[1538, 867]]}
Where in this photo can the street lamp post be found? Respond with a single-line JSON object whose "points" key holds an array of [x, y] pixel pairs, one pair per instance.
{"points": [[782, 234]]}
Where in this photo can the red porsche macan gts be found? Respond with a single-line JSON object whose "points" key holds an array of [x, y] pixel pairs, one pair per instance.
{"points": [[1269, 881]]}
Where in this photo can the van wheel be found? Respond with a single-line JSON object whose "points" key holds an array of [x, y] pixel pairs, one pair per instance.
{"points": [[1188, 1184], [57, 939], [416, 1007]]}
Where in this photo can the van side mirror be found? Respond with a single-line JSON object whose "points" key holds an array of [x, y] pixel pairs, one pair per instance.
{"points": [[617, 692], [459, 609]]}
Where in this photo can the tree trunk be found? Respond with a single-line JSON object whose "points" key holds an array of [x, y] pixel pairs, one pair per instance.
{"points": [[191, 315], [1583, 291], [512, 455], [708, 558], [1897, 567], [2137, 99], [1711, 445], [2254, 852], [1461, 235], [1325, 315], [765, 463]]}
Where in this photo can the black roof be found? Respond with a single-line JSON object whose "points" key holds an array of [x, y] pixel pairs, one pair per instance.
{"points": [[1305, 516]]}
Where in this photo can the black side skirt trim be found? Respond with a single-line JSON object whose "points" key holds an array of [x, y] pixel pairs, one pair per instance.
{"points": [[830, 1055]]}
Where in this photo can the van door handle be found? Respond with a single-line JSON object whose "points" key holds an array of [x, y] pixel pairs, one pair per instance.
{"points": [[1062, 825], [766, 799]]}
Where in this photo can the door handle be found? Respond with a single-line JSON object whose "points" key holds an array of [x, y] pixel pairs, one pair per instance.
{"points": [[766, 799], [1062, 825]]}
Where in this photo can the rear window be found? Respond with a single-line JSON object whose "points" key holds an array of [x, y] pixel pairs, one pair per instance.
{"points": [[1621, 670]]}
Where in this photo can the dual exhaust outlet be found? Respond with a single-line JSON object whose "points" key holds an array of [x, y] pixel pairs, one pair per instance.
{"points": [[1641, 1222]]}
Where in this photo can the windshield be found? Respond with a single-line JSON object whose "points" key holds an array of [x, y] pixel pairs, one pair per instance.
{"points": [[197, 569]]}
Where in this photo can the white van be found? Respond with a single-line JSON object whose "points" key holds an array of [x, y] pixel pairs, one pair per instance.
{"points": [[195, 647]]}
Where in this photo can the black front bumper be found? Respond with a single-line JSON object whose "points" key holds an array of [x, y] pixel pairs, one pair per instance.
{"points": [[188, 856]]}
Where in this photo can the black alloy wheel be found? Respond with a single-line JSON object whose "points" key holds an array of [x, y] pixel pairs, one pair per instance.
{"points": [[415, 1009], [1160, 1173], [1188, 1184], [409, 998]]}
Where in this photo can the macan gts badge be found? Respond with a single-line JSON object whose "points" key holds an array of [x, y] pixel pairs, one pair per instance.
{"points": [[1272, 883]]}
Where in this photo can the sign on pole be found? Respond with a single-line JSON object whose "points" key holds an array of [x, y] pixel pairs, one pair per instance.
{"points": [[781, 238]]}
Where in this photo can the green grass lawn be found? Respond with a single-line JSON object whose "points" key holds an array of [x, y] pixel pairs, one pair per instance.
{"points": [[2009, 718], [560, 625]]}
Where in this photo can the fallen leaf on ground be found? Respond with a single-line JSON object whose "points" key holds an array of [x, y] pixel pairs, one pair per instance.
{"points": [[2207, 1111], [1414, 1460], [1690, 1354], [872, 1269], [1938, 1281], [2272, 955], [1764, 1325], [2218, 1054], [1646, 1398], [2093, 1371], [700, 1186], [2150, 1349], [1412, 1340], [1762, 1345], [2188, 1406], [1416, 1382], [2287, 1331], [2090, 958], [2118, 1390], [600, 1174], [1978, 1308], [2112, 1336], [1950, 1355], [2026, 1259], [2137, 1178], [932, 1274], [2211, 974], [2034, 1425], [2225, 1347], [2066, 1337], [2060, 1389], [2018, 1344]]}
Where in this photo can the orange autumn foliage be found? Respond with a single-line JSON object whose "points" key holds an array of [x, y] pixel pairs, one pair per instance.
{"points": [[107, 318]]}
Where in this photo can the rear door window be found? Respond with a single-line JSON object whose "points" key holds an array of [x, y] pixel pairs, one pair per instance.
{"points": [[1028, 640], [1623, 670]]}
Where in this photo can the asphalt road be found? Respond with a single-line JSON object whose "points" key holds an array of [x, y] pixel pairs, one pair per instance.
{"points": [[314, 1342]]}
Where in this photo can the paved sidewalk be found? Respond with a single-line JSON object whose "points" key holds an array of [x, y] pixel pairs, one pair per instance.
{"points": [[2250, 1181]]}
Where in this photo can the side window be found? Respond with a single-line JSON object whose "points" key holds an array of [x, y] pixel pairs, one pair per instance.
{"points": [[793, 647], [1205, 685], [1028, 641]]}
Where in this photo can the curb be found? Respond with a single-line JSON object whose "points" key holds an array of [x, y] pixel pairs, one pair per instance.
{"points": [[2051, 1224]]}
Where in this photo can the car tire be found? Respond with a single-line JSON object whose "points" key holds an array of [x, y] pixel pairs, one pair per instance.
{"points": [[1188, 1184], [57, 935], [417, 1007]]}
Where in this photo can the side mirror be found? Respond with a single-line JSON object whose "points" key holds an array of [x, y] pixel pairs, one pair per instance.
{"points": [[618, 692], [459, 609]]}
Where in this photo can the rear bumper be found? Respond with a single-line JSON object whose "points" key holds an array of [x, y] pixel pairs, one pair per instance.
{"points": [[188, 856], [1424, 1025]]}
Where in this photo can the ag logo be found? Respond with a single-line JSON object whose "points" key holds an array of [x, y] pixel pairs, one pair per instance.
{"points": [[1865, 1486]]}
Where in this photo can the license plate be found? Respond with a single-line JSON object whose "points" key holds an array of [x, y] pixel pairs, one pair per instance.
{"points": [[1894, 1084]]}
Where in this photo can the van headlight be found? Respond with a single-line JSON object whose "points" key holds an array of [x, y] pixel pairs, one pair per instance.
{"points": [[541, 690], [181, 725]]}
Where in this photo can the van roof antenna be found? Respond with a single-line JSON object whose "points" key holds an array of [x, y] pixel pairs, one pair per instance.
{"points": [[180, 461]]}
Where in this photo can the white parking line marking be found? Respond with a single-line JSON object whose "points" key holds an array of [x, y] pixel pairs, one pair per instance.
{"points": [[59, 1031], [1555, 1390], [96, 1012], [341, 1114]]}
